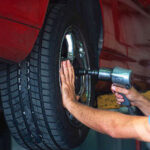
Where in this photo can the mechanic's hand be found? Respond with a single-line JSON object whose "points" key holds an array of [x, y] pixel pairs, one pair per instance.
{"points": [[67, 77], [131, 94]]}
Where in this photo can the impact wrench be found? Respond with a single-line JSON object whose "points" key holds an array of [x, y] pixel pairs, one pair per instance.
{"points": [[118, 76]]}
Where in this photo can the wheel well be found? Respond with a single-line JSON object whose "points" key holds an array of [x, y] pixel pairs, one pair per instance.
{"points": [[58, 1], [91, 12]]}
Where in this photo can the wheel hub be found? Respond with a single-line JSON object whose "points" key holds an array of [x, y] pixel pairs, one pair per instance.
{"points": [[73, 48]]}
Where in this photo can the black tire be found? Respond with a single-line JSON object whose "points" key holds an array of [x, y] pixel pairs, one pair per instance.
{"points": [[5, 137], [30, 90]]}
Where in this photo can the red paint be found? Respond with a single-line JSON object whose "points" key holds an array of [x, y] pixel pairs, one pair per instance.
{"points": [[134, 24], [29, 12], [112, 34], [17, 40], [126, 33], [127, 39], [145, 3], [20, 23]]}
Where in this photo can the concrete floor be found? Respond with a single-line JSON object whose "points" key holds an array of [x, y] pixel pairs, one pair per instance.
{"points": [[96, 141]]}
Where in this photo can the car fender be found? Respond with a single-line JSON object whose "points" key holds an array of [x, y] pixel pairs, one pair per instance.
{"points": [[20, 23]]}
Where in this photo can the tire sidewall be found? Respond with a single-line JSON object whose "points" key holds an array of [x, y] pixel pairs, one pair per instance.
{"points": [[68, 17]]}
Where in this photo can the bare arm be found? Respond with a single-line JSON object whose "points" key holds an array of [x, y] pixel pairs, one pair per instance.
{"points": [[112, 123], [135, 98], [144, 105]]}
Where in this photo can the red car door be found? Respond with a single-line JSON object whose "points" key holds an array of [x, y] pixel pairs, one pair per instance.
{"points": [[134, 23]]}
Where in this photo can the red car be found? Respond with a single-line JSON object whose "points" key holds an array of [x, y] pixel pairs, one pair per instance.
{"points": [[36, 35]]}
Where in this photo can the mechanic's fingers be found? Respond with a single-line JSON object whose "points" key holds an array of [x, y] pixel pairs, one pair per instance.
{"points": [[69, 70], [120, 90], [120, 100], [112, 89], [118, 95], [65, 70], [62, 77], [72, 74], [118, 103]]}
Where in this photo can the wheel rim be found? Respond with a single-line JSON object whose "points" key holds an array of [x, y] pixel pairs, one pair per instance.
{"points": [[73, 47]]}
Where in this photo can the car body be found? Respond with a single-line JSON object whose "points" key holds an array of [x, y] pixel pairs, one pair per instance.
{"points": [[36, 35], [125, 39], [20, 23]]}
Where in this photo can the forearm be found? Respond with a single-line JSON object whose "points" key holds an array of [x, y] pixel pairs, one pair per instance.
{"points": [[143, 104], [91, 117], [114, 124]]}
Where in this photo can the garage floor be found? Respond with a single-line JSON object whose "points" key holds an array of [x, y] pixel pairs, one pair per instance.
{"points": [[96, 141]]}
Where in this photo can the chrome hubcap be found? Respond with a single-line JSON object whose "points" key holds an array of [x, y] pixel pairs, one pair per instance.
{"points": [[73, 47]]}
